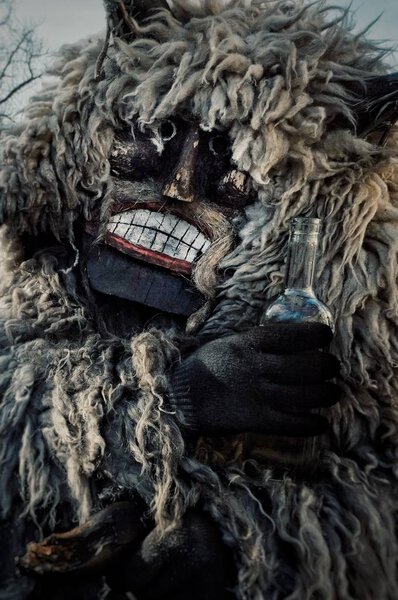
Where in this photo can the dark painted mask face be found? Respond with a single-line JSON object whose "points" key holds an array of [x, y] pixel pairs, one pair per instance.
{"points": [[164, 182]]}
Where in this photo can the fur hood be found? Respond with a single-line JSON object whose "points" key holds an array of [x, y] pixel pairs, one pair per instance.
{"points": [[275, 75]]}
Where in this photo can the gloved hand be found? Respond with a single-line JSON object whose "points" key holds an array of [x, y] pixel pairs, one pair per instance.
{"points": [[190, 562], [264, 380]]}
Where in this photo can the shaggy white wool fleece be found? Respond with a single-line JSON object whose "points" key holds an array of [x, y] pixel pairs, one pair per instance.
{"points": [[77, 406]]}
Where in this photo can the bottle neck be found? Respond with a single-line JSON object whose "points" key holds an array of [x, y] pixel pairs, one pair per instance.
{"points": [[300, 264]]}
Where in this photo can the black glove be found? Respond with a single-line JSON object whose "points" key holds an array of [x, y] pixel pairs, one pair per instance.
{"points": [[190, 562], [265, 380]]}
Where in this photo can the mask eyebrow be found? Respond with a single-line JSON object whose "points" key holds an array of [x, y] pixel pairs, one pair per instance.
{"points": [[157, 141]]}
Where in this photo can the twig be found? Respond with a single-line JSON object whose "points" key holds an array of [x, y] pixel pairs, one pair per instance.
{"points": [[126, 17], [102, 54], [18, 87]]}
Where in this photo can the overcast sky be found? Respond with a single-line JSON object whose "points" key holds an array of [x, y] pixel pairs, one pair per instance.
{"points": [[64, 21]]}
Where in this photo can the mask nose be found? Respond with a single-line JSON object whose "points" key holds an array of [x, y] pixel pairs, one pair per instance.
{"points": [[181, 184]]}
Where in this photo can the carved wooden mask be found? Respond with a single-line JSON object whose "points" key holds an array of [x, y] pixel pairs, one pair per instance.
{"points": [[163, 178]]}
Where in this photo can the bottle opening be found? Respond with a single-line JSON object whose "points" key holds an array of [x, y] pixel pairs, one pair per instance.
{"points": [[306, 226]]}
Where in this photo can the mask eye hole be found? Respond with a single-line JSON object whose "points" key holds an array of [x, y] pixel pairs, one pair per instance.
{"points": [[167, 130], [219, 145]]}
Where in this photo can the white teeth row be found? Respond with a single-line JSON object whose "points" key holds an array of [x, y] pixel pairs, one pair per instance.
{"points": [[160, 232]]}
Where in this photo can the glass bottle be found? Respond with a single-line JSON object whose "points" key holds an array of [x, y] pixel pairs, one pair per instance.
{"points": [[298, 302]]}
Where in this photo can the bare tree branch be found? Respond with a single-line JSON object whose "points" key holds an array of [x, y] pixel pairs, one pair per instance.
{"points": [[21, 54], [17, 88], [11, 56], [5, 7]]}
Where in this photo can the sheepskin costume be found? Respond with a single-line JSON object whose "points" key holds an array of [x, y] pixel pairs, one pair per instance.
{"points": [[80, 407]]}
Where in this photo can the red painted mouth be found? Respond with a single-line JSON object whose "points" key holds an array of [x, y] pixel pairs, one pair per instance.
{"points": [[181, 267], [151, 235]]}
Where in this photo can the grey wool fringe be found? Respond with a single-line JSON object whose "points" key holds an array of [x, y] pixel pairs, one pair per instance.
{"points": [[77, 405]]}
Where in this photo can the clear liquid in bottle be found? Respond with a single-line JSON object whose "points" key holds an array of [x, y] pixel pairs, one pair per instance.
{"points": [[298, 304]]}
